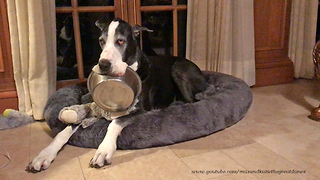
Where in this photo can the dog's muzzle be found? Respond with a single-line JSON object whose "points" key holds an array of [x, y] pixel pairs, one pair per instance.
{"points": [[104, 65]]}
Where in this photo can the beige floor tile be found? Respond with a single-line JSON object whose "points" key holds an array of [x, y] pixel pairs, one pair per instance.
{"points": [[304, 118], [41, 136], [16, 174], [211, 164], [91, 173], [300, 146], [154, 163], [306, 176], [66, 169], [297, 90], [275, 134], [41, 128], [236, 177], [255, 157], [20, 135], [259, 128], [19, 156], [15, 143], [275, 106], [285, 100], [67, 159], [220, 140]]}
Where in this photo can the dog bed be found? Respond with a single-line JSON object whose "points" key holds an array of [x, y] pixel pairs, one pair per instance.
{"points": [[224, 103]]}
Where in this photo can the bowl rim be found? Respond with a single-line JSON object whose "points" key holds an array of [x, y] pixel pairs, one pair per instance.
{"points": [[118, 79]]}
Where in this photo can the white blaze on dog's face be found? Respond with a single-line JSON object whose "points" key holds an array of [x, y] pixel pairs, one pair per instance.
{"points": [[119, 48], [111, 58]]}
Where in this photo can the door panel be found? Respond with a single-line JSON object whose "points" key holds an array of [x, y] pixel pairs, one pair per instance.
{"points": [[8, 94], [271, 24]]}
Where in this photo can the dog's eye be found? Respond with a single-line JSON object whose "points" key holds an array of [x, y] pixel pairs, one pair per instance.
{"points": [[120, 42], [101, 41]]}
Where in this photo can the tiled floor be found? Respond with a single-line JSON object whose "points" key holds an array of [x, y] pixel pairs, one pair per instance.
{"points": [[275, 135]]}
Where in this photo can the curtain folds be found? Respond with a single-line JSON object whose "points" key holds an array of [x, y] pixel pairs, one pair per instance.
{"points": [[302, 36], [33, 44], [220, 37]]}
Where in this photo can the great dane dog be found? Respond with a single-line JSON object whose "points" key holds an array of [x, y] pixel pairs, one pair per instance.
{"points": [[164, 81]]}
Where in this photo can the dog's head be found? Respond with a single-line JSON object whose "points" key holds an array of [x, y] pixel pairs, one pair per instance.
{"points": [[119, 47]]}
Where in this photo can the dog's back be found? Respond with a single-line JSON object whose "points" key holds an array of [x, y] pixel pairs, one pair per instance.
{"points": [[170, 79]]}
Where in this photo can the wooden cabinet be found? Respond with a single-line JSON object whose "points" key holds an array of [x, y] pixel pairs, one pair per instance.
{"points": [[8, 94], [271, 28]]}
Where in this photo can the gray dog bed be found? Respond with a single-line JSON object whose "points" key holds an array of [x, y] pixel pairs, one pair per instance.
{"points": [[224, 103]]}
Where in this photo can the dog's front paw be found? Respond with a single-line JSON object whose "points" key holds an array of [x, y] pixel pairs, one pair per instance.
{"points": [[41, 162], [103, 156]]}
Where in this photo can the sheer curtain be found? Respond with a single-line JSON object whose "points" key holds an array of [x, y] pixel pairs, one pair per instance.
{"points": [[220, 37], [302, 36], [32, 34]]}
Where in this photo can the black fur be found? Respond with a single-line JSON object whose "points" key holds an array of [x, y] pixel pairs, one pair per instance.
{"points": [[164, 79]]}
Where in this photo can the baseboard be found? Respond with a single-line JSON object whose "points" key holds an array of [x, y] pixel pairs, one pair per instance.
{"points": [[281, 72], [8, 100], [10, 103]]}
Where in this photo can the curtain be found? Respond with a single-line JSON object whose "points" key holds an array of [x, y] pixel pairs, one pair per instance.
{"points": [[220, 37], [302, 36], [32, 35]]}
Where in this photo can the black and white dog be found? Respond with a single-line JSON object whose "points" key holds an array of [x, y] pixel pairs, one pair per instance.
{"points": [[164, 80]]}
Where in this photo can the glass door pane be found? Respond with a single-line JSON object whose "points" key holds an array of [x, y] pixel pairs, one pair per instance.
{"points": [[78, 47], [168, 20], [95, 2], [90, 38], [160, 41], [155, 2], [63, 3], [182, 32], [183, 2], [66, 49]]}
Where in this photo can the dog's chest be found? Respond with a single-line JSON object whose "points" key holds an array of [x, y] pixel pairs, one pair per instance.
{"points": [[158, 89]]}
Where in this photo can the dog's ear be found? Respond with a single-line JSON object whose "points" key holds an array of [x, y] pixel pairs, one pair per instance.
{"points": [[101, 25], [138, 29]]}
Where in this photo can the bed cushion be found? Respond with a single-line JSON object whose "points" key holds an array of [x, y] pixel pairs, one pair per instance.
{"points": [[224, 103]]}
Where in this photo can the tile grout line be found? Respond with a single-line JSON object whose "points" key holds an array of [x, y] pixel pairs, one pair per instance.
{"points": [[222, 150], [30, 142], [275, 153], [183, 162], [84, 177], [297, 117], [288, 160], [236, 160]]}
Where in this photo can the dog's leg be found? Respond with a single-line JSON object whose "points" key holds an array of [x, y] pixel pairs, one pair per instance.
{"points": [[189, 79], [47, 155], [108, 146]]}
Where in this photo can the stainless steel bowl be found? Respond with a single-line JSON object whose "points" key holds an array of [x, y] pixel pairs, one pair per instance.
{"points": [[114, 94]]}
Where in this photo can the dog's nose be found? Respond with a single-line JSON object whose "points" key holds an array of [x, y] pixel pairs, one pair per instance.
{"points": [[104, 65]]}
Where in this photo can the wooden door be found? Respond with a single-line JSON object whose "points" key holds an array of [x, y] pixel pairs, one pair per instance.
{"points": [[271, 27], [8, 94]]}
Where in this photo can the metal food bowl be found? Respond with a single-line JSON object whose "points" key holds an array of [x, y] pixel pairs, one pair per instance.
{"points": [[114, 94]]}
